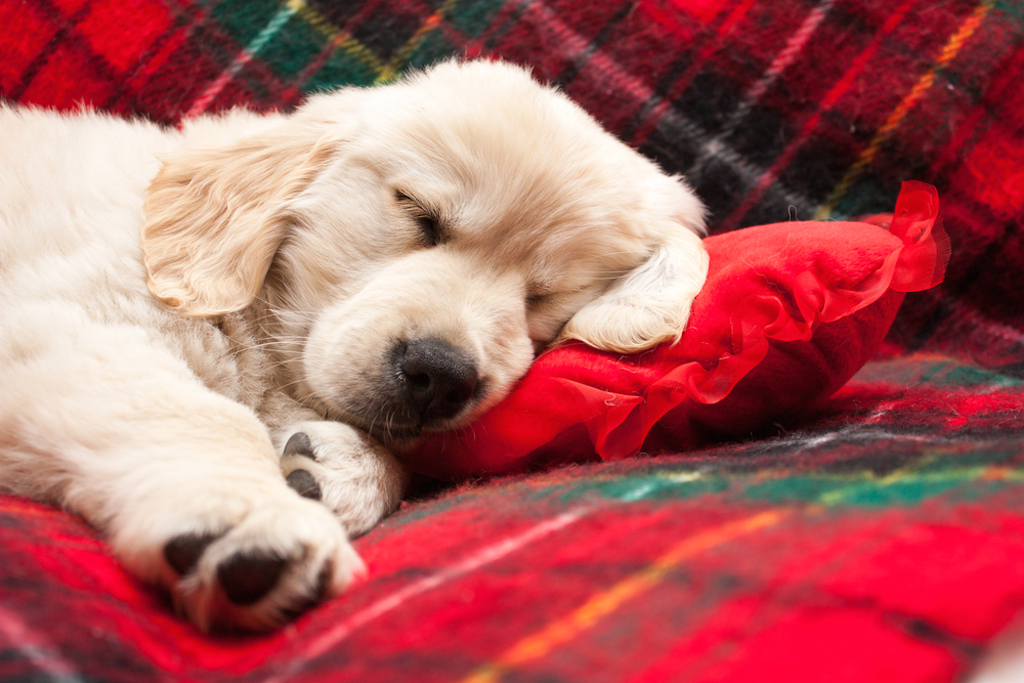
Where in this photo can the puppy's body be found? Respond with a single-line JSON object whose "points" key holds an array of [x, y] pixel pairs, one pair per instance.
{"points": [[114, 406], [186, 316]]}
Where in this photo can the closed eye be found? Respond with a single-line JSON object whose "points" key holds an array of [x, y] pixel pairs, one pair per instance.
{"points": [[432, 232], [540, 295], [537, 300]]}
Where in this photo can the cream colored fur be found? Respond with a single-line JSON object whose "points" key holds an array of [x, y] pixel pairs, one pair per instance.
{"points": [[176, 305]]}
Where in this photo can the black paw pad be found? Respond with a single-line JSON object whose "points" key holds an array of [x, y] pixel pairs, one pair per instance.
{"points": [[304, 484], [247, 577], [183, 552], [299, 444]]}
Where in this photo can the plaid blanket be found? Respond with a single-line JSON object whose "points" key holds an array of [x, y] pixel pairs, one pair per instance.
{"points": [[882, 540]]}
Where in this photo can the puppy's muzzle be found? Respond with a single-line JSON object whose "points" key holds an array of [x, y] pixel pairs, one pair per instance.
{"points": [[436, 380]]}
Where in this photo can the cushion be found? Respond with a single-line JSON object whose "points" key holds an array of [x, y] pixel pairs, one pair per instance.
{"points": [[788, 314]]}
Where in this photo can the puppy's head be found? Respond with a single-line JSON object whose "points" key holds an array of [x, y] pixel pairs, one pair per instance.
{"points": [[422, 241]]}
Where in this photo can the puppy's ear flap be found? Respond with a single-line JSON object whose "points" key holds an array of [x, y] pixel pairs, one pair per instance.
{"points": [[213, 219], [648, 305]]}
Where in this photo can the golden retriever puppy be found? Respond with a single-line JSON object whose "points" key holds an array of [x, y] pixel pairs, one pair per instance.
{"points": [[214, 340]]}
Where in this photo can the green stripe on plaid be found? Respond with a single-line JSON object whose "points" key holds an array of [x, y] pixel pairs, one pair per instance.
{"points": [[245, 20], [937, 470], [472, 17], [298, 43]]}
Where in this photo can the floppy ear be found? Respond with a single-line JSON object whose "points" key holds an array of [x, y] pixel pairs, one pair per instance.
{"points": [[213, 220], [648, 305]]}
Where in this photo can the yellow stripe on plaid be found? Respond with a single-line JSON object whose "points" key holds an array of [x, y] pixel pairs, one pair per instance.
{"points": [[354, 48], [336, 39], [942, 478], [403, 54], [948, 54], [567, 628]]}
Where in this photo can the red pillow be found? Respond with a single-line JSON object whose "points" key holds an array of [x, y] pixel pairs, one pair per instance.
{"points": [[788, 314]]}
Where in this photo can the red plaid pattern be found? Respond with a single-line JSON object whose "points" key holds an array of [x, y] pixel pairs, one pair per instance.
{"points": [[877, 540]]}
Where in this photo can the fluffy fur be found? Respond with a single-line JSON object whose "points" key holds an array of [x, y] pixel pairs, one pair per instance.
{"points": [[186, 316]]}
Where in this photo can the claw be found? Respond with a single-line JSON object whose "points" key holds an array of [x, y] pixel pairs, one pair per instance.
{"points": [[299, 444]]}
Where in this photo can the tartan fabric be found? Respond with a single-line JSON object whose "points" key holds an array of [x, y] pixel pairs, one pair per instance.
{"points": [[883, 540]]}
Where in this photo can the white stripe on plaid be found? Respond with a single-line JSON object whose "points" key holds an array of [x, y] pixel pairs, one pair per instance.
{"points": [[33, 646], [492, 553], [753, 95], [572, 44]]}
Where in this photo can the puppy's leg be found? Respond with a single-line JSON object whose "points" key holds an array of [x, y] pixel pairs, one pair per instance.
{"points": [[342, 467], [184, 481]]}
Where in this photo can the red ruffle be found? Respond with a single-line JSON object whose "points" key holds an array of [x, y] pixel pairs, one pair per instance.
{"points": [[788, 314]]}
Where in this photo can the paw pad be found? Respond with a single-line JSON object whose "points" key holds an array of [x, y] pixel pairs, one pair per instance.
{"points": [[247, 577], [183, 552], [304, 484]]}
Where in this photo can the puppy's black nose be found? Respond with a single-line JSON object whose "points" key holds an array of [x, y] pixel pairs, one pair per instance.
{"points": [[439, 378]]}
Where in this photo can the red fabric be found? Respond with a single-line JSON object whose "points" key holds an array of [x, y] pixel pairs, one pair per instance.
{"points": [[789, 313]]}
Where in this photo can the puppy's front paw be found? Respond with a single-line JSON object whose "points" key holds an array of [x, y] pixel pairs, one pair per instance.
{"points": [[346, 470], [252, 563]]}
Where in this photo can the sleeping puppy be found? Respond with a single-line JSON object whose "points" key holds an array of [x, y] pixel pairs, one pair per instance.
{"points": [[214, 340]]}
